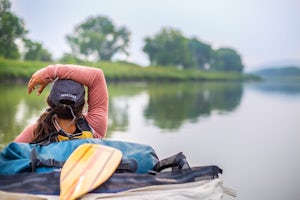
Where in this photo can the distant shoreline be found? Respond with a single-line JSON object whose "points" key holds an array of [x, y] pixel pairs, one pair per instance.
{"points": [[12, 71]]}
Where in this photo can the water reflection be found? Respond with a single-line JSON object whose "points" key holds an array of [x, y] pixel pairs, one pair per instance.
{"points": [[278, 87], [118, 114], [167, 105], [119, 95], [17, 109], [172, 104]]}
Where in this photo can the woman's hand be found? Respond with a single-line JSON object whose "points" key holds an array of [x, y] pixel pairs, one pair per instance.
{"points": [[37, 80]]}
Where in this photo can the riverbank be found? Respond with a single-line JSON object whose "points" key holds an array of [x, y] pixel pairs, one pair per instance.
{"points": [[21, 71]]}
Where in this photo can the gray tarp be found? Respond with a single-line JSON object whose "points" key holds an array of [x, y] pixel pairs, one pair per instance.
{"points": [[204, 190]]}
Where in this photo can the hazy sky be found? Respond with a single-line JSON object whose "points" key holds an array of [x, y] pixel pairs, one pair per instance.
{"points": [[261, 31]]}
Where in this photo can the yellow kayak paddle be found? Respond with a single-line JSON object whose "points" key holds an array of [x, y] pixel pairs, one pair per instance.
{"points": [[88, 167]]}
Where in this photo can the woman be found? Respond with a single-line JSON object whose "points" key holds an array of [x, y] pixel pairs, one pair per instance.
{"points": [[64, 119]]}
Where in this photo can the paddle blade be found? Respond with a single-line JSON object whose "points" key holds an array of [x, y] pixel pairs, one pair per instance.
{"points": [[88, 167]]}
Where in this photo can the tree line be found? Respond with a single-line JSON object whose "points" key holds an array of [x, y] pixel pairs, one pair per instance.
{"points": [[97, 38]]}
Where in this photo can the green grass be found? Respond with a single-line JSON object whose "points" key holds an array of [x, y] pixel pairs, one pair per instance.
{"points": [[11, 70]]}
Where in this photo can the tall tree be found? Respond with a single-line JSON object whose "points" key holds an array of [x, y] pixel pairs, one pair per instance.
{"points": [[35, 51], [201, 53], [98, 37], [70, 58], [169, 47], [11, 28], [226, 59]]}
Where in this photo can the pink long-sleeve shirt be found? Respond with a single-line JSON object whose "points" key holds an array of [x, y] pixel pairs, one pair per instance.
{"points": [[93, 78]]}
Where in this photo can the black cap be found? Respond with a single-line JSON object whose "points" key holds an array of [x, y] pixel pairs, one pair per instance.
{"points": [[65, 89]]}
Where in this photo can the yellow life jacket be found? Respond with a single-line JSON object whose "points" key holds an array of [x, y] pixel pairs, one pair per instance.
{"points": [[85, 131], [84, 134]]}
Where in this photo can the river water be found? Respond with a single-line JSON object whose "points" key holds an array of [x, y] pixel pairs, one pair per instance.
{"points": [[250, 130]]}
